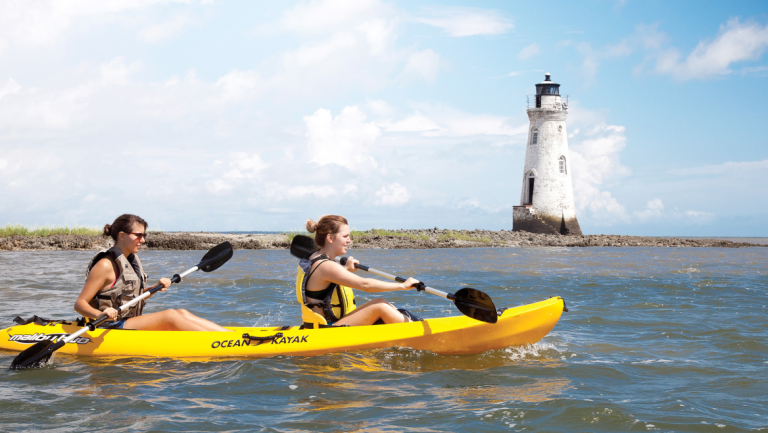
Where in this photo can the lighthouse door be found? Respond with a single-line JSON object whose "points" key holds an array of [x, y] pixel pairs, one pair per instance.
{"points": [[530, 190]]}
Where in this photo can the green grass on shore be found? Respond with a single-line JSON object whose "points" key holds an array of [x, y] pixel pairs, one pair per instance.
{"points": [[37, 231], [356, 234], [464, 237]]}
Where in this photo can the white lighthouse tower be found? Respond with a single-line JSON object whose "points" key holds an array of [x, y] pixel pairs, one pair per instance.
{"points": [[546, 199]]}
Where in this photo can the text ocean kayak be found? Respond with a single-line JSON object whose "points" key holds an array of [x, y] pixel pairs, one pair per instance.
{"points": [[517, 326]]}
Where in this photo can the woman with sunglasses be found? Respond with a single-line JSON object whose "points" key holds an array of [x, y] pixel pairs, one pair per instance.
{"points": [[115, 276], [321, 276]]}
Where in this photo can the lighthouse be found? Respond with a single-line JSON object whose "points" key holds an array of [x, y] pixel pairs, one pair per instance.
{"points": [[546, 197]]}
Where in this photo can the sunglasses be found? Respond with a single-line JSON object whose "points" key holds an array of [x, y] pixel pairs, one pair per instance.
{"points": [[138, 235]]}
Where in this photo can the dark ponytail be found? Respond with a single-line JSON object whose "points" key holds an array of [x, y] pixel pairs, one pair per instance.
{"points": [[124, 223]]}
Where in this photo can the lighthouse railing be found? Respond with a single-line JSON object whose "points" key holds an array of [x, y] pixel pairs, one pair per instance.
{"points": [[548, 103]]}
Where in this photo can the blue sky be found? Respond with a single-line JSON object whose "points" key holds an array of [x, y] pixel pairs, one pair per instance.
{"points": [[258, 115]]}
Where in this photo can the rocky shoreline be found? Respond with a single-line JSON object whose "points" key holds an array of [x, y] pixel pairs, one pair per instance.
{"points": [[372, 239]]}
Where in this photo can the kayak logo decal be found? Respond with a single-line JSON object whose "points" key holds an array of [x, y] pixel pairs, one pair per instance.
{"points": [[247, 342], [36, 338], [291, 340], [230, 343]]}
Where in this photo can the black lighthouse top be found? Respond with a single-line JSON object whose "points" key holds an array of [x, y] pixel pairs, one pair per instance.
{"points": [[547, 87]]}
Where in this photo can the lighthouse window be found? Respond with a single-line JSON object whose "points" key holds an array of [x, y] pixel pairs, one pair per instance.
{"points": [[534, 137], [562, 165]]}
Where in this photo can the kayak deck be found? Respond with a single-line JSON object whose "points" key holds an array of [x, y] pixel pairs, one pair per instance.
{"points": [[516, 326]]}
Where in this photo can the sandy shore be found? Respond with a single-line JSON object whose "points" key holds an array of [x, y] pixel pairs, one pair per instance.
{"points": [[394, 239]]}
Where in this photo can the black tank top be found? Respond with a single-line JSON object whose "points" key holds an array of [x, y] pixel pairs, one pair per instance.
{"points": [[319, 294]]}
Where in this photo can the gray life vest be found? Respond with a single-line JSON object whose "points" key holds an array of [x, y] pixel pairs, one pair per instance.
{"points": [[130, 283]]}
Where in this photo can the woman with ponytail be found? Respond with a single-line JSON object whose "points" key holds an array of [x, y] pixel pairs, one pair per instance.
{"points": [[322, 275], [115, 276]]}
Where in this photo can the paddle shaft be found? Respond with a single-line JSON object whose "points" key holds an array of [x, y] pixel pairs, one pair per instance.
{"points": [[343, 261], [176, 278]]}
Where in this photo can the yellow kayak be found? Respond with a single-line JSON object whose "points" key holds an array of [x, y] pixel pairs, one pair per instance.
{"points": [[516, 326]]}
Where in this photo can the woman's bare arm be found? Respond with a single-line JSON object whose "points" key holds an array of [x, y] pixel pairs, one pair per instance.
{"points": [[102, 275], [335, 273]]}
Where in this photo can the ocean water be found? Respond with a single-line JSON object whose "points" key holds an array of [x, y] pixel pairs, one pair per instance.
{"points": [[657, 339]]}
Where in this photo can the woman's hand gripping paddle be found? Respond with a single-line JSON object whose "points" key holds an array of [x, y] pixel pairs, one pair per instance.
{"points": [[471, 302], [40, 353]]}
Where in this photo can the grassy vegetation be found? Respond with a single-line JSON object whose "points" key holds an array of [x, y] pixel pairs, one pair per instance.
{"points": [[20, 230], [381, 232], [463, 237]]}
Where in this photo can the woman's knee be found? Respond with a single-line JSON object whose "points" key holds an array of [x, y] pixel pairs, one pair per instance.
{"points": [[172, 315]]}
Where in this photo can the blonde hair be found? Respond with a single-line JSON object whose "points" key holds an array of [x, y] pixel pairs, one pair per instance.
{"points": [[327, 225]]}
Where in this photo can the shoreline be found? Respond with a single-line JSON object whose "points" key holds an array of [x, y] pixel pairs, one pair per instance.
{"points": [[371, 239]]}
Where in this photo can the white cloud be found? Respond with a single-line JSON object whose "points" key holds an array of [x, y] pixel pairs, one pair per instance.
{"points": [[300, 192], [392, 195], [328, 15], [40, 23], [594, 159], [423, 64], [696, 217], [653, 210], [380, 108], [245, 166], [440, 121], [529, 51], [10, 87], [379, 33], [416, 122], [736, 42], [345, 140], [117, 72], [465, 21], [218, 185], [90, 198], [316, 53], [237, 85], [167, 29]]}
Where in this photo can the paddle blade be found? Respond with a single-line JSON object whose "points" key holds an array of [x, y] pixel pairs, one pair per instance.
{"points": [[36, 356], [215, 257], [476, 304], [302, 246]]}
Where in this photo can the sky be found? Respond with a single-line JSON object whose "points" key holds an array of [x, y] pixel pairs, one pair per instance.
{"points": [[248, 116]]}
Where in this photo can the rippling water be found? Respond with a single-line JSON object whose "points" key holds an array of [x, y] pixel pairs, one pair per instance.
{"points": [[657, 339]]}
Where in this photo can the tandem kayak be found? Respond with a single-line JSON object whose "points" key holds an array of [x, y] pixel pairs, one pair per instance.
{"points": [[457, 335]]}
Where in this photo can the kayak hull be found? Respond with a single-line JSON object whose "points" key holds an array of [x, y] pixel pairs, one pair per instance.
{"points": [[456, 335]]}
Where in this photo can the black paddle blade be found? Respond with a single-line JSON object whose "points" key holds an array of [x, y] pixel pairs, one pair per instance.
{"points": [[36, 356], [302, 246], [476, 304], [215, 257]]}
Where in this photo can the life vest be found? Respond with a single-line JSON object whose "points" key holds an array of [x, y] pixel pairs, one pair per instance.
{"points": [[339, 302], [130, 284]]}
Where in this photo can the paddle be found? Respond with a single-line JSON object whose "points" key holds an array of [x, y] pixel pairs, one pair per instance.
{"points": [[471, 302], [40, 353]]}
